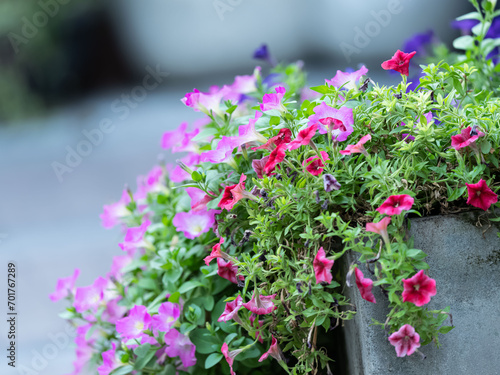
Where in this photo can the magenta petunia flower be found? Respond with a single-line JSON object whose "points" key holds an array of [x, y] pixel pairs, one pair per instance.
{"points": [[322, 267], [406, 340], [284, 136], [228, 271], [358, 148], [365, 286], [243, 85], [247, 133], [84, 348], [65, 286], [206, 102], [231, 310], [314, 165], [110, 361], [336, 121], [179, 140], [194, 223], [90, 297], [168, 313], [229, 355], [396, 204], [199, 199], [304, 137], [113, 213], [276, 157], [216, 252], [259, 325], [260, 304], [419, 289], [258, 166], [349, 80], [134, 325], [223, 152], [480, 195], [400, 62], [114, 311], [273, 101], [179, 345], [380, 228], [134, 238], [330, 183], [152, 183], [464, 139], [274, 351], [178, 174]]}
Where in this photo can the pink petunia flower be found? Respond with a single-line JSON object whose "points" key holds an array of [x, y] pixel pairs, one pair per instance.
{"points": [[400, 62], [304, 137], [380, 228], [113, 213], [396, 204], [464, 139], [247, 133], [177, 174], [338, 122], [322, 267], [273, 101], [231, 310], [134, 238], [406, 340], [259, 325], [230, 355], [314, 165], [216, 252], [84, 348], [365, 286], [206, 102], [276, 157], [480, 195], [119, 262], [358, 148], [168, 313], [223, 152], [260, 304], [283, 136], [110, 361], [199, 199], [228, 271], [274, 351], [258, 166], [179, 140], [243, 85], [347, 80], [90, 297], [194, 223], [152, 183], [114, 311], [179, 345], [419, 289], [65, 287], [134, 325]]}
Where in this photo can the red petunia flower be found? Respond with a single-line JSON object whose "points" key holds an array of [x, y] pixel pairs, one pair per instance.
{"points": [[322, 267], [231, 310], [216, 252], [304, 137], [396, 204], [365, 286], [284, 136], [480, 195], [314, 165], [276, 157], [464, 139], [274, 351], [358, 148], [258, 166], [419, 289], [229, 355], [228, 271], [261, 305], [234, 193], [406, 340], [400, 62]]}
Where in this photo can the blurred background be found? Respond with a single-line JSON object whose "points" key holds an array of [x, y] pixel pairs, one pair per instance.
{"points": [[71, 68]]}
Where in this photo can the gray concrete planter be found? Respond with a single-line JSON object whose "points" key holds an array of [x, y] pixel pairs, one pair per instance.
{"points": [[465, 262]]}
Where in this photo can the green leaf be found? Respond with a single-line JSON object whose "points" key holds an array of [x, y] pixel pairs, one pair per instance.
{"points": [[445, 329], [124, 370], [416, 254], [187, 286], [205, 343], [196, 176], [147, 284], [212, 360], [464, 42], [470, 16], [485, 147], [321, 89], [275, 120], [144, 354]]}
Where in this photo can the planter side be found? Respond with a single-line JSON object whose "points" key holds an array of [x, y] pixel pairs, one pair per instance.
{"points": [[465, 262]]}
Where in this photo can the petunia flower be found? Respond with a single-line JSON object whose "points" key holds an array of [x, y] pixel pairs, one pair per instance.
{"points": [[259, 325], [153, 182], [465, 26], [234, 193], [338, 122], [400, 62], [358, 148], [396, 204], [314, 165], [168, 313], [273, 101], [179, 140], [133, 326], [134, 238], [380, 228], [228, 271], [347, 80], [419, 289], [418, 42], [119, 262], [304, 137], [216, 252], [194, 223], [322, 267], [330, 183], [242, 86], [480, 195], [65, 287], [110, 361], [230, 355], [178, 174], [90, 297], [114, 212], [260, 304], [284, 136], [464, 139], [222, 153], [199, 199], [275, 157], [179, 345], [406, 340], [205, 102], [258, 166], [231, 310], [274, 351], [114, 311], [262, 53], [365, 286], [84, 348], [247, 133]]}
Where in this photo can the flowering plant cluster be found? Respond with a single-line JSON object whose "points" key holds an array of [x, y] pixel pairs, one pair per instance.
{"points": [[232, 260]]}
